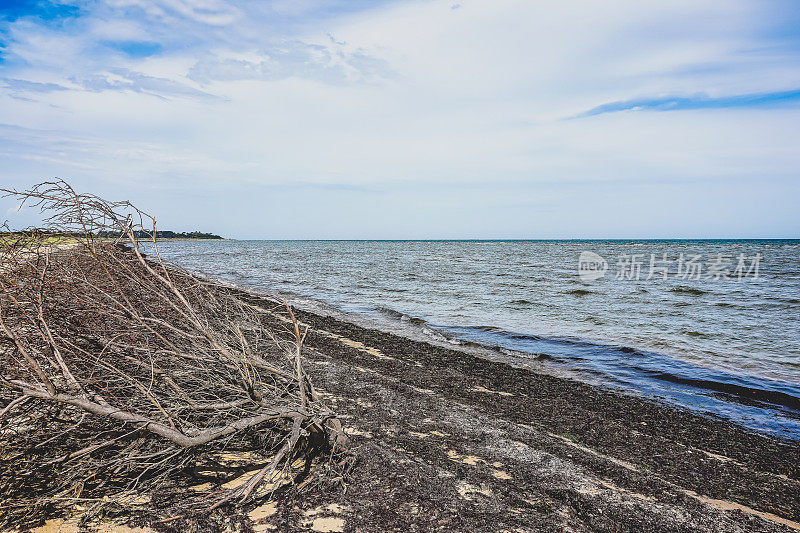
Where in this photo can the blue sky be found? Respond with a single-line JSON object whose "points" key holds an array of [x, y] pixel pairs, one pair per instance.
{"points": [[412, 119]]}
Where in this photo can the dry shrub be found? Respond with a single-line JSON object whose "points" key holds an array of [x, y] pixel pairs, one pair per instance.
{"points": [[123, 378]]}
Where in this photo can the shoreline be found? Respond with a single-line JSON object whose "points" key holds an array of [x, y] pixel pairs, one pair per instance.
{"points": [[615, 335], [745, 400], [465, 443]]}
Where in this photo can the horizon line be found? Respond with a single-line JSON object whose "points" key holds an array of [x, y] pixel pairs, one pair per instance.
{"points": [[709, 239]]}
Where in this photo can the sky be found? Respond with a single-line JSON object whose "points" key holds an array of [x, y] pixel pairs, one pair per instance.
{"points": [[389, 119]]}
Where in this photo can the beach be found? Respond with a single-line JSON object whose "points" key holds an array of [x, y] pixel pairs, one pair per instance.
{"points": [[449, 441], [445, 439]]}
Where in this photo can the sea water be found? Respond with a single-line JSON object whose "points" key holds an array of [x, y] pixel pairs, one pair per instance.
{"points": [[706, 325]]}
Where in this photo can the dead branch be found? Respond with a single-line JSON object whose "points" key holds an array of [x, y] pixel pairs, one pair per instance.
{"points": [[120, 372]]}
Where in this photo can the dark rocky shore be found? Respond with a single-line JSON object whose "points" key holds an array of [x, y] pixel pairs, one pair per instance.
{"points": [[448, 441]]}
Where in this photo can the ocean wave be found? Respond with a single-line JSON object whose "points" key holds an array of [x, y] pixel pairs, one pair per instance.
{"points": [[397, 315], [580, 292], [737, 392], [634, 367], [438, 335], [693, 291]]}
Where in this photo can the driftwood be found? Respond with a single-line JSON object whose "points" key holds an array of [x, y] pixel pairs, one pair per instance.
{"points": [[122, 375]]}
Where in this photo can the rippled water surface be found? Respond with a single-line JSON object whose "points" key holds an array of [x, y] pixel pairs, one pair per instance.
{"points": [[727, 346]]}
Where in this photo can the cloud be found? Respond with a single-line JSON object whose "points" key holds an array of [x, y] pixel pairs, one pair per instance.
{"points": [[31, 86], [443, 111], [14, 209], [41, 153], [701, 101], [120, 79], [326, 63], [209, 12]]}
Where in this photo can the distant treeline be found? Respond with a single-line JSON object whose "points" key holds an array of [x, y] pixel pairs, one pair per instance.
{"points": [[163, 234], [140, 234]]}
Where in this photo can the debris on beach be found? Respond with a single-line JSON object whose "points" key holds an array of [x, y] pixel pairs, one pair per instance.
{"points": [[130, 387]]}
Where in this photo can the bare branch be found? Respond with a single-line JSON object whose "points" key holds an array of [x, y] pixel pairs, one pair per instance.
{"points": [[132, 370]]}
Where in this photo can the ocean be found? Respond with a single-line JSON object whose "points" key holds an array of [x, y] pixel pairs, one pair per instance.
{"points": [[710, 326]]}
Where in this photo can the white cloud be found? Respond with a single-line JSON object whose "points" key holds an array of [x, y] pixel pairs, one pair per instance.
{"points": [[14, 209], [211, 12], [327, 63], [409, 93]]}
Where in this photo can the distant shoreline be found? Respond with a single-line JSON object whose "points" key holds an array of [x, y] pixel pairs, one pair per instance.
{"points": [[189, 239]]}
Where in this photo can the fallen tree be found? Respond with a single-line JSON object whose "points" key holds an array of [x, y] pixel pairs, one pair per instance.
{"points": [[123, 378]]}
